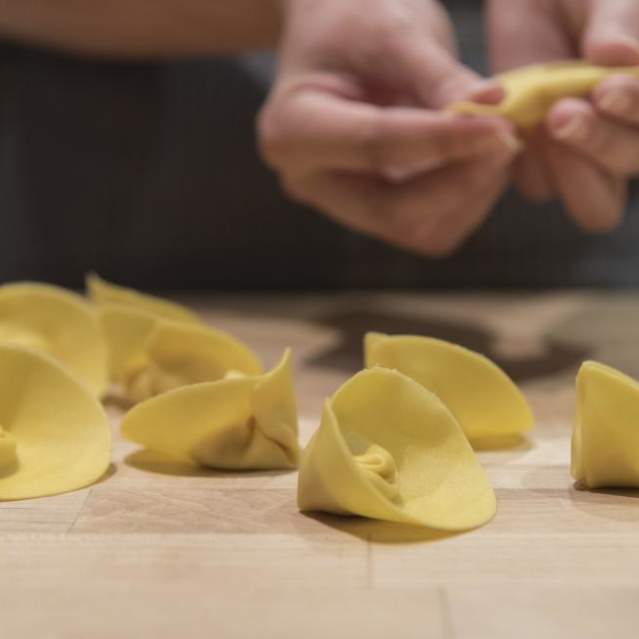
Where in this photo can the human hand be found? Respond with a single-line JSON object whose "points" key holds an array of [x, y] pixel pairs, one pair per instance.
{"points": [[353, 125], [587, 149]]}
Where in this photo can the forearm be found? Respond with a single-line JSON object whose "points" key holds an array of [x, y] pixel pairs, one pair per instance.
{"points": [[143, 28]]}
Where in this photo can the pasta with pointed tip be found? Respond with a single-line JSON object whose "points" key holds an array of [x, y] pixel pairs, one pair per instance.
{"points": [[482, 397], [239, 423]]}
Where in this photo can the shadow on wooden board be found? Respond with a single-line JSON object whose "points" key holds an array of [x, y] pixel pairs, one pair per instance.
{"points": [[108, 473], [554, 356], [614, 504], [605, 327], [381, 532], [506, 442], [116, 401]]}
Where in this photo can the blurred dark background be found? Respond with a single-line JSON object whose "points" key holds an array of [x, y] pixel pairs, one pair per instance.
{"points": [[148, 174]]}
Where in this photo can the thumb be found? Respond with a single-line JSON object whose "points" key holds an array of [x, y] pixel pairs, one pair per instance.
{"points": [[525, 32], [440, 79], [612, 33], [429, 61]]}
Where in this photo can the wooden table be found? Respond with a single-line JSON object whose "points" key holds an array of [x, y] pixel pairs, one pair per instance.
{"points": [[162, 551]]}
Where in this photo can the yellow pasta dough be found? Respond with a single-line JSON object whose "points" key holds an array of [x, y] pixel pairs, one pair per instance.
{"points": [[54, 434], [482, 397], [149, 355], [60, 323], [605, 442], [238, 423], [102, 292], [126, 330], [389, 449], [531, 91]]}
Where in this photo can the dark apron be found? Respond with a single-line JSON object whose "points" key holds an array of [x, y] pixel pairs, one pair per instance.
{"points": [[148, 174]]}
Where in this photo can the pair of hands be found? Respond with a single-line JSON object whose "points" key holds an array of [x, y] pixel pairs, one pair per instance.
{"points": [[354, 125]]}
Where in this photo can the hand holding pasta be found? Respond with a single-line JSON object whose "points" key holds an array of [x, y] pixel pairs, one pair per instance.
{"points": [[354, 125], [587, 148]]}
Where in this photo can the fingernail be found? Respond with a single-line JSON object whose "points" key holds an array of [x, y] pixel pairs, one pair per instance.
{"points": [[488, 92], [575, 129], [616, 101]]}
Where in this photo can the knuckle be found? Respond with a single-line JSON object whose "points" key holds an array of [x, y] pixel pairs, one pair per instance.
{"points": [[395, 214], [441, 246], [604, 217], [423, 239], [620, 156], [383, 214], [401, 227], [272, 135], [294, 189], [391, 35], [376, 144], [626, 166], [597, 223]]}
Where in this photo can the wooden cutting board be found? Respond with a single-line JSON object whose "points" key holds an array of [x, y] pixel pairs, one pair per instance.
{"points": [[162, 551]]}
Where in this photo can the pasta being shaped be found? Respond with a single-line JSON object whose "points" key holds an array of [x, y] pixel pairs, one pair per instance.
{"points": [[605, 441], [389, 449], [531, 91], [102, 292], [52, 320], [238, 423], [54, 434], [482, 397], [149, 355]]}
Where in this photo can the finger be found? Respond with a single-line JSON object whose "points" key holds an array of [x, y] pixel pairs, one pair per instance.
{"points": [[531, 175], [592, 197], [607, 143], [429, 66], [311, 130], [618, 98], [612, 33], [543, 39], [439, 79], [397, 213]]}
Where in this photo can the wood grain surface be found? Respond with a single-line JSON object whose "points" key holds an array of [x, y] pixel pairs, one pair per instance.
{"points": [[164, 551]]}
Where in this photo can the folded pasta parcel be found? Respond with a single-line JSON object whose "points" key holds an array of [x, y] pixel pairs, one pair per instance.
{"points": [[482, 397], [150, 355], [605, 441], [54, 434], [52, 320], [243, 422], [389, 449]]}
